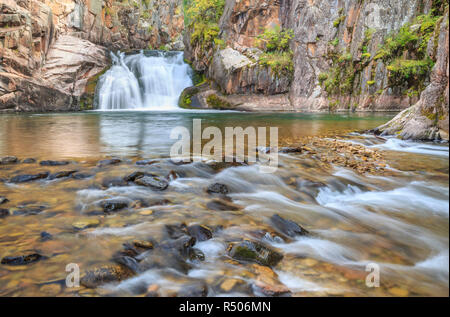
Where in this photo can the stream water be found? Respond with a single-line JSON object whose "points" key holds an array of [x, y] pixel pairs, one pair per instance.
{"points": [[399, 220]]}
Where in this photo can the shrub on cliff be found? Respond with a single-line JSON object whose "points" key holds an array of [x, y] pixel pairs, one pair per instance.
{"points": [[202, 18], [277, 54], [406, 52]]}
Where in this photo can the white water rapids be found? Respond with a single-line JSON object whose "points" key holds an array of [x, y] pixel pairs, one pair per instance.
{"points": [[150, 80]]}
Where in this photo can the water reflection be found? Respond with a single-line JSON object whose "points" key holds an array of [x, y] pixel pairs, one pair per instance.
{"points": [[147, 133]]}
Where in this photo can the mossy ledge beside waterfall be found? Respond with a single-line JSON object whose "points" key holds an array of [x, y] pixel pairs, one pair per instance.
{"points": [[148, 80]]}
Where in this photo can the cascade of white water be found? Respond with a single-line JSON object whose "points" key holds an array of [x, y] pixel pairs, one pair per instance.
{"points": [[150, 80]]}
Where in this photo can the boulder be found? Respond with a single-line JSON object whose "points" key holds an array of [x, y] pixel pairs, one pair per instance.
{"points": [[152, 182]]}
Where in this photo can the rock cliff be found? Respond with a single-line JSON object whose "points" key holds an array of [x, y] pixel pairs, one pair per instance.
{"points": [[428, 118], [374, 55], [50, 49]]}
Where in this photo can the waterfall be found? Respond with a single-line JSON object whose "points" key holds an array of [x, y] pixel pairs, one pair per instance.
{"points": [[149, 80]]}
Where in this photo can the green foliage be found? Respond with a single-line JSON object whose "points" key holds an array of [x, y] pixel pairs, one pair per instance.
{"points": [[280, 62], [412, 37], [339, 20], [335, 42], [277, 54], [405, 53], [202, 19], [412, 72], [216, 102], [275, 40], [145, 14]]}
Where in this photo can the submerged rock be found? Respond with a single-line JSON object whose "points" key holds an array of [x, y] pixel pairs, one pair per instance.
{"points": [[112, 161], [176, 231], [61, 174], [153, 182], [3, 200], [114, 204], [221, 205], [113, 182], [86, 223], [29, 210], [133, 176], [290, 150], [250, 251], [199, 232], [104, 274], [23, 259], [28, 177], [81, 175], [54, 163], [4, 212], [145, 162], [45, 236], [196, 255], [182, 245], [8, 160], [162, 258], [217, 188], [287, 227], [29, 161]]}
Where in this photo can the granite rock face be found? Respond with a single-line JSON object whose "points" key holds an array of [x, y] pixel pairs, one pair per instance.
{"points": [[52, 49], [428, 118], [355, 29]]}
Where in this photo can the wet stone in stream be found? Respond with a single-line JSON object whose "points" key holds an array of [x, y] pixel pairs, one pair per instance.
{"points": [[61, 174], [112, 205], [113, 182], [3, 200], [217, 188], [4, 213], [145, 162], [251, 251], [8, 160], [104, 274], [45, 236], [29, 161], [287, 227], [152, 182], [29, 210], [199, 232], [221, 205], [107, 162], [53, 163], [23, 259], [24, 178]]}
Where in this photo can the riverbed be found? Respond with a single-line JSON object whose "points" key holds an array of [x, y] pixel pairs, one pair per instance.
{"points": [[395, 218]]}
